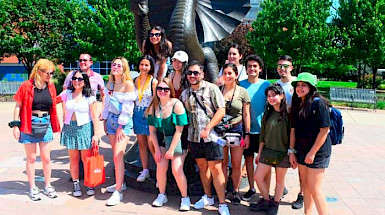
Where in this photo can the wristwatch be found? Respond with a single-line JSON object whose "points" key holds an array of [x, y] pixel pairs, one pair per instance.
{"points": [[291, 151]]}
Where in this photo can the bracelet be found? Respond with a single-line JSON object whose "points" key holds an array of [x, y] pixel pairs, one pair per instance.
{"points": [[291, 151], [14, 123]]}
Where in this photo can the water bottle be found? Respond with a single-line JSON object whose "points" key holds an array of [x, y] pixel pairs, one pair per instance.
{"points": [[216, 139]]}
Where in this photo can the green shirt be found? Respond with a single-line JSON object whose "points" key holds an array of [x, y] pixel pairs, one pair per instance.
{"points": [[235, 111], [167, 125], [275, 133]]}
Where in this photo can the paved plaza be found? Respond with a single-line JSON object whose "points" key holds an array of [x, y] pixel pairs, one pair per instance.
{"points": [[354, 183]]}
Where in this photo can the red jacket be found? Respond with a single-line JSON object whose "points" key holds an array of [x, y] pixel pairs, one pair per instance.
{"points": [[24, 95]]}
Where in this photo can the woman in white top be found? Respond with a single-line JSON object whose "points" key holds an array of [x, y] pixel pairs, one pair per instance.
{"points": [[80, 130], [234, 56], [117, 114]]}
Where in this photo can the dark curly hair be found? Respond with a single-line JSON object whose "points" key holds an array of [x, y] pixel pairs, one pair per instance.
{"points": [[87, 92]]}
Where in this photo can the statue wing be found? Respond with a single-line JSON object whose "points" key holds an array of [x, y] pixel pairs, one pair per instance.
{"points": [[218, 18]]}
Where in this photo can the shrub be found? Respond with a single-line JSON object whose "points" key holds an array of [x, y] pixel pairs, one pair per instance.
{"points": [[367, 81], [381, 87]]}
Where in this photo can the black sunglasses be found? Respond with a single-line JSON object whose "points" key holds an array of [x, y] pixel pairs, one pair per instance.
{"points": [[77, 79], [83, 60], [164, 89], [190, 72], [49, 73], [156, 34]]}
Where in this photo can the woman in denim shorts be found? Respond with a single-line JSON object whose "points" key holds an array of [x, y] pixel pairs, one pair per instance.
{"points": [[36, 109], [145, 85], [117, 115]]}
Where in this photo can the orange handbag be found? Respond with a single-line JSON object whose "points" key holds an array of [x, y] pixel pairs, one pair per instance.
{"points": [[94, 169]]}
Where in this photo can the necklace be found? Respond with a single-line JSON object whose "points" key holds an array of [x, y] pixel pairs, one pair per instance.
{"points": [[164, 107]]}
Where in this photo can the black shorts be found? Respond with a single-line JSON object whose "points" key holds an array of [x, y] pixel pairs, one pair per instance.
{"points": [[320, 161], [254, 146], [211, 151]]}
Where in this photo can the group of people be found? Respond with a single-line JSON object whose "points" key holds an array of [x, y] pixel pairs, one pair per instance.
{"points": [[285, 123]]}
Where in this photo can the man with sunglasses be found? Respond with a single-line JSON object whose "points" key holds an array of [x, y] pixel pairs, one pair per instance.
{"points": [[206, 107], [284, 68]]}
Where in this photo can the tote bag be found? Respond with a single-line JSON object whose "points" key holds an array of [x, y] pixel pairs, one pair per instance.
{"points": [[94, 171]]}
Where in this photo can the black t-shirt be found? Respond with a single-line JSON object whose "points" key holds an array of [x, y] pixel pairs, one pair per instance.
{"points": [[306, 130], [42, 99]]}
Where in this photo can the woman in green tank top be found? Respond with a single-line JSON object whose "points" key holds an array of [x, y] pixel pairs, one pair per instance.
{"points": [[166, 119]]}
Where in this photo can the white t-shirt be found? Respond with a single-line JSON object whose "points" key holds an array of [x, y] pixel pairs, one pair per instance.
{"points": [[288, 89], [80, 108]]}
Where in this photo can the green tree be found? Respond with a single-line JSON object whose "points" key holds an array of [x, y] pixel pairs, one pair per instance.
{"points": [[361, 27], [297, 28], [105, 29], [33, 29]]}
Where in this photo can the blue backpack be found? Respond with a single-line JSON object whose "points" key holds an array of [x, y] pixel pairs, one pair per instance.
{"points": [[337, 129]]}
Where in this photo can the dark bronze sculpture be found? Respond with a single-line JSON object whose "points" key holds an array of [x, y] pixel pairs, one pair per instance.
{"points": [[190, 23]]}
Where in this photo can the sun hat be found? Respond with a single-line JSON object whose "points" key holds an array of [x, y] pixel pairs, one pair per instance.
{"points": [[181, 56], [305, 77]]}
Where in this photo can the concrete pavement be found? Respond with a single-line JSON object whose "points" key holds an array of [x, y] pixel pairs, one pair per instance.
{"points": [[354, 182]]}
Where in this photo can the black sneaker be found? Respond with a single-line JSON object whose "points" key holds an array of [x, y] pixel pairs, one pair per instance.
{"points": [[273, 209], [298, 204], [285, 192], [262, 205], [236, 198], [248, 195]]}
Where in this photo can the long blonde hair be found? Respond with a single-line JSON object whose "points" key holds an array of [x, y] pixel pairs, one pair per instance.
{"points": [[155, 99], [43, 65], [126, 75]]}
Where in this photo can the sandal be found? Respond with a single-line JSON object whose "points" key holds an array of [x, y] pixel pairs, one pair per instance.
{"points": [[34, 194], [50, 192]]}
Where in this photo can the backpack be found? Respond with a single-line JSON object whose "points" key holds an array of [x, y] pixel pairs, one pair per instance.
{"points": [[337, 128]]}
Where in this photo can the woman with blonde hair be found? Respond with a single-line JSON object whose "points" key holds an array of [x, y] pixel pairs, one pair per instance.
{"points": [[166, 118], [35, 120], [117, 115]]}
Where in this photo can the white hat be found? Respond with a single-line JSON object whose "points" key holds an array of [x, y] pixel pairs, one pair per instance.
{"points": [[181, 56]]}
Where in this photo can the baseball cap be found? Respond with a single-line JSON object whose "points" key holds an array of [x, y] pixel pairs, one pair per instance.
{"points": [[181, 56]]}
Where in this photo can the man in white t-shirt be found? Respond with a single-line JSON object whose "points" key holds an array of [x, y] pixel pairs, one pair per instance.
{"points": [[284, 68]]}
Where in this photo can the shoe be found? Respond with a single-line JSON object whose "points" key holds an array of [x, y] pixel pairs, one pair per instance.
{"points": [[143, 176], [223, 209], [203, 202], [298, 204], [273, 210], [90, 191], [34, 194], [112, 188], [115, 198], [285, 192], [50, 192], [160, 200], [236, 200], [185, 204], [77, 190], [250, 193], [262, 205]]}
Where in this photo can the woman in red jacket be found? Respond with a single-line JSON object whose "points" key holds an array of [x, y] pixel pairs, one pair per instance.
{"points": [[35, 120]]}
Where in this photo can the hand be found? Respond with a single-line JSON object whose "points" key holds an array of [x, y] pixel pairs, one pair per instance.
{"points": [[309, 159], [105, 126], [247, 142], [100, 117], [157, 155], [95, 140], [120, 136], [205, 133], [257, 158], [16, 132], [293, 160], [169, 154]]}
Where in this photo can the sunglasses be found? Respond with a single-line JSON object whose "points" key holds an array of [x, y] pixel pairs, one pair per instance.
{"points": [[117, 65], [83, 60], [49, 73], [279, 66], [190, 72], [77, 79], [155, 34], [164, 89]]}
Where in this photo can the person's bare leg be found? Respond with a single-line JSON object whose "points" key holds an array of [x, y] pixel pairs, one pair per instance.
{"points": [[118, 149], [225, 163], [315, 179], [177, 170], [74, 163], [259, 176], [143, 150], [280, 183], [205, 175], [45, 155], [236, 163], [218, 179], [30, 152], [161, 172], [307, 198]]}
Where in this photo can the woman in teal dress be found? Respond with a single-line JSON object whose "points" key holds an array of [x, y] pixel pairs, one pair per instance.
{"points": [[166, 119]]}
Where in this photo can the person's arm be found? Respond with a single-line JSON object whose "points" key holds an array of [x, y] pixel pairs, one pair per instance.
{"points": [[95, 122], [127, 109], [292, 158], [218, 116], [246, 123], [261, 144], [16, 114], [321, 138]]}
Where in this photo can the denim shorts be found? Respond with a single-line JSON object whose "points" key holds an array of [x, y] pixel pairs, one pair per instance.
{"points": [[113, 125], [140, 121], [28, 138]]}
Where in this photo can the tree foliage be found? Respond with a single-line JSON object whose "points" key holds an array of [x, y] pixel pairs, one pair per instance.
{"points": [[297, 28]]}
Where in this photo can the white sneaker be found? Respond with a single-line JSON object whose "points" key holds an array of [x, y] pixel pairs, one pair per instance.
{"points": [[112, 188], [77, 192], [90, 191], [185, 204], [223, 209], [143, 176], [203, 202], [160, 200], [115, 198], [34, 194]]}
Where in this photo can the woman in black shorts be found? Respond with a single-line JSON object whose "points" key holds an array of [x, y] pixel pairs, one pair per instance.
{"points": [[310, 144]]}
